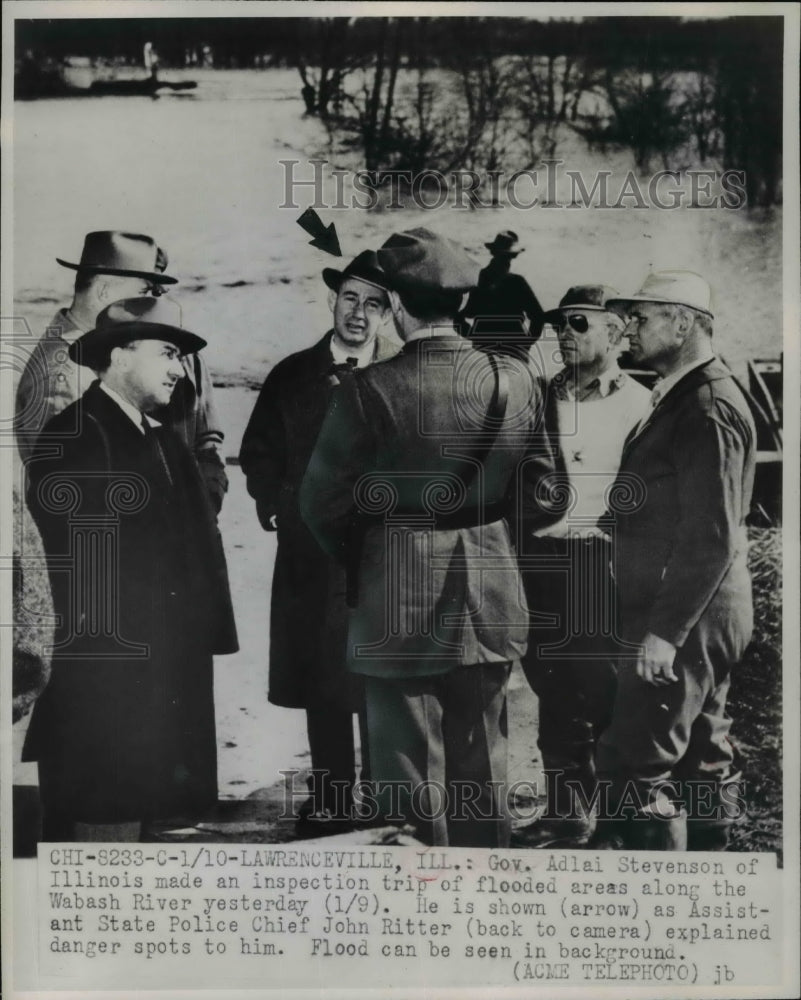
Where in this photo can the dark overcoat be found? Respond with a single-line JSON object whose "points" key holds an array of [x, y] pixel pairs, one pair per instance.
{"points": [[679, 506], [308, 618], [439, 585], [125, 727]]}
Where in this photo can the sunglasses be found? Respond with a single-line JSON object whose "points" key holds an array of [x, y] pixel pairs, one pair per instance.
{"points": [[579, 323]]}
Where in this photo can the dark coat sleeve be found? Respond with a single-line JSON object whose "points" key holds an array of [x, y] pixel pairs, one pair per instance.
{"points": [[530, 304], [710, 452], [208, 440], [344, 452], [263, 454]]}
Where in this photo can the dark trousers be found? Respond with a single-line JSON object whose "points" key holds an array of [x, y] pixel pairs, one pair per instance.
{"points": [[669, 738], [570, 662], [333, 756], [438, 753]]}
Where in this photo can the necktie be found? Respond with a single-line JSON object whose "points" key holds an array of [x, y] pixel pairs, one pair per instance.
{"points": [[336, 371]]}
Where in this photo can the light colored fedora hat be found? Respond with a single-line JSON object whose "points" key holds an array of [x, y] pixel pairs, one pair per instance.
{"points": [[683, 288]]}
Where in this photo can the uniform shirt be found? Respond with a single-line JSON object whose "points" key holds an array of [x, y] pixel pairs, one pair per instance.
{"points": [[593, 424]]}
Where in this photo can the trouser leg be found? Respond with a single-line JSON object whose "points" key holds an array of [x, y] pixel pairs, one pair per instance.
{"points": [[475, 733], [407, 756], [654, 729], [331, 743], [709, 779], [571, 666]]}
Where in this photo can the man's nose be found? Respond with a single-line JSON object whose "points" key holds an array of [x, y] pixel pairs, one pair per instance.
{"points": [[358, 307], [176, 369]]}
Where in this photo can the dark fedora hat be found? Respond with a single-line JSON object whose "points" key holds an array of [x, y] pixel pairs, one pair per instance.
{"points": [[505, 242], [128, 255], [419, 260], [140, 318], [587, 297], [364, 266]]}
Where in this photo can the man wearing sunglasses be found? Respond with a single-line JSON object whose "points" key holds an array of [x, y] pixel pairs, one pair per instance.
{"points": [[113, 266], [591, 407]]}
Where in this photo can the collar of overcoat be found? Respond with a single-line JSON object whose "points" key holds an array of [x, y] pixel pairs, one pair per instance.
{"points": [[383, 349], [712, 371]]}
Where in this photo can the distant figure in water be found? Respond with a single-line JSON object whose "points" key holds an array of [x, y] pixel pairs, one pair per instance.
{"points": [[502, 313], [151, 58]]}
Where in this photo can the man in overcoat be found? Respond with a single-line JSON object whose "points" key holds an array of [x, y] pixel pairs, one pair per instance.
{"points": [[116, 265], [124, 732], [677, 515], [418, 463], [308, 620]]}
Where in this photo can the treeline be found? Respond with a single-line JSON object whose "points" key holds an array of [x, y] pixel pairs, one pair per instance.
{"points": [[446, 93], [250, 42]]}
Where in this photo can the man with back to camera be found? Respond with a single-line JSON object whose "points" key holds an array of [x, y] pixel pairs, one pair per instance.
{"points": [[116, 265], [418, 464], [308, 621], [571, 663], [124, 732], [683, 584]]}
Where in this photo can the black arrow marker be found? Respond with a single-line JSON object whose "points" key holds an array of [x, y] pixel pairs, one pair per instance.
{"points": [[325, 237]]}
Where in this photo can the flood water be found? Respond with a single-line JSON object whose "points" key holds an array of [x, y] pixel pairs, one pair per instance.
{"points": [[200, 171]]}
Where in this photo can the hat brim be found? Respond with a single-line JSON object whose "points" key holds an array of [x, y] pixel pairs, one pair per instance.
{"points": [[93, 347], [553, 314], [506, 253], [619, 305], [156, 276], [334, 278]]}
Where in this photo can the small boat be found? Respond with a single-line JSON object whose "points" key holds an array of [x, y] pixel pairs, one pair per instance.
{"points": [[147, 87]]}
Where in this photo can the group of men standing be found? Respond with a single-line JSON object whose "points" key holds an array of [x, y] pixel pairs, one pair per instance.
{"points": [[442, 511]]}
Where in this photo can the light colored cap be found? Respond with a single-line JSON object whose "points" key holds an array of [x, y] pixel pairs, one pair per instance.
{"points": [[684, 288]]}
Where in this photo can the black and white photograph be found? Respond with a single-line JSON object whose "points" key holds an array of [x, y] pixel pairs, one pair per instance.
{"points": [[400, 507]]}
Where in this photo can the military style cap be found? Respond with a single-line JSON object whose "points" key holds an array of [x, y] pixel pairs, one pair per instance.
{"points": [[421, 261], [128, 255], [589, 297], [140, 318], [683, 288]]}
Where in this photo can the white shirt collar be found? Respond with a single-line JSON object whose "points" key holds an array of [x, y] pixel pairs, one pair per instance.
{"points": [[364, 355], [129, 409], [664, 385]]}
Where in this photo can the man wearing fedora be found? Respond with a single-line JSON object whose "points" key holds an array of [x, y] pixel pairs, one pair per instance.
{"points": [[677, 516], [116, 265], [570, 663], [124, 732], [308, 620], [417, 466], [502, 313]]}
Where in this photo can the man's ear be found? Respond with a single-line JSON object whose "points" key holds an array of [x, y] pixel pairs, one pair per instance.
{"points": [[332, 299], [118, 359], [102, 291], [685, 321]]}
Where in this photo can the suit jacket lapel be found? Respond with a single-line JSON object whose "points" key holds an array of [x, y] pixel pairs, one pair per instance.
{"points": [[710, 371]]}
